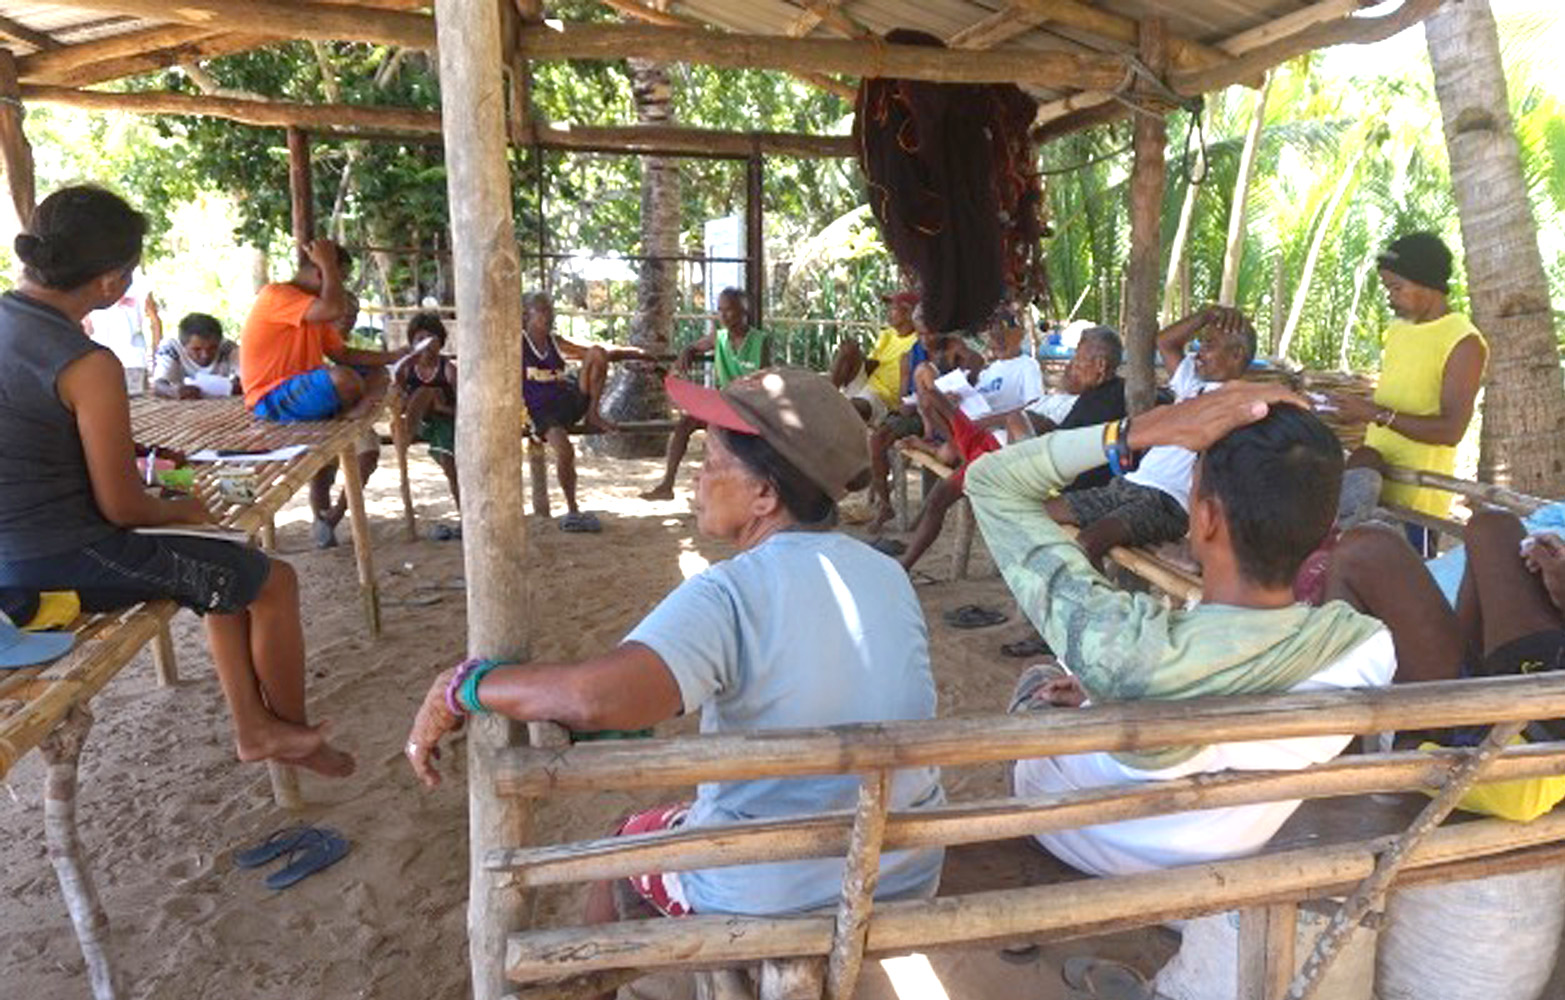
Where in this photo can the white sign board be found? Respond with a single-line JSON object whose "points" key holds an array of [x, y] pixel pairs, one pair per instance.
{"points": [[724, 238]]}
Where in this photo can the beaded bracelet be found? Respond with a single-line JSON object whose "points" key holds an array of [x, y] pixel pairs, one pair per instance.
{"points": [[455, 686]]}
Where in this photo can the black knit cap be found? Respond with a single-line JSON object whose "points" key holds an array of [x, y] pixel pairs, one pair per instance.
{"points": [[1420, 258]]}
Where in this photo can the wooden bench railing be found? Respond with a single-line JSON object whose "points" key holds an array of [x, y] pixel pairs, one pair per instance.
{"points": [[575, 961]]}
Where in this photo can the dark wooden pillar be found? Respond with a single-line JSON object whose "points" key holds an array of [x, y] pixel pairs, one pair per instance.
{"points": [[301, 194], [489, 459], [15, 150], [755, 239], [1146, 211]]}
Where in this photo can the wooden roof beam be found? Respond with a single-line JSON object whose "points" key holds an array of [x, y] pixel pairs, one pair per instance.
{"points": [[1319, 35], [1288, 24], [859, 58], [388, 122], [830, 13], [300, 19], [1123, 32], [17, 31], [207, 46], [1001, 26], [43, 67], [667, 19]]}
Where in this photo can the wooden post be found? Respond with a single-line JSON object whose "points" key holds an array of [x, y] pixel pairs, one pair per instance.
{"points": [[285, 785], [14, 148], [489, 425], [966, 528], [1266, 945], [538, 475], [301, 195], [859, 880], [755, 238], [268, 535], [1146, 214], [61, 751], [792, 979], [358, 520], [401, 440], [163, 659]]}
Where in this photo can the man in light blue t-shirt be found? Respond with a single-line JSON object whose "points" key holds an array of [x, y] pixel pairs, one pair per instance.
{"points": [[804, 628]]}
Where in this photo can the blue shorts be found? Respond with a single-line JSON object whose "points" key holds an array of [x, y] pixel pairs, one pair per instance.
{"points": [[310, 396]]}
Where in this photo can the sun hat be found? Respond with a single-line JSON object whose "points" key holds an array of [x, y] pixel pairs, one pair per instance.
{"points": [[24, 649], [799, 413], [1421, 258]]}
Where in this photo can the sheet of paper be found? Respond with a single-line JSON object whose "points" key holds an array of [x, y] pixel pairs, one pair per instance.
{"points": [[283, 454], [211, 386], [968, 399]]}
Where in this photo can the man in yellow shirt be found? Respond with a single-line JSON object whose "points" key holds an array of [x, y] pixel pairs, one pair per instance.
{"points": [[1430, 372], [873, 381]]}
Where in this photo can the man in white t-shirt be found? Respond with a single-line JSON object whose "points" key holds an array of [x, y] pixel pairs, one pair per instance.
{"points": [[1150, 504], [1264, 495]]}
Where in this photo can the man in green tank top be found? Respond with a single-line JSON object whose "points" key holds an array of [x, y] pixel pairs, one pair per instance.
{"points": [[736, 350]]}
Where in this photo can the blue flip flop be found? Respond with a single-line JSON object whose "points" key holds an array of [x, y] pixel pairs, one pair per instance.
{"points": [[273, 847], [321, 849]]}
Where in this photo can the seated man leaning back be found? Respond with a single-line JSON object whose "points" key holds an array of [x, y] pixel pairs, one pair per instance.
{"points": [[784, 446], [1263, 495]]}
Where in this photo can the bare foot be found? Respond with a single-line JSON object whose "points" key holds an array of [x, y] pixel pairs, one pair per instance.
{"points": [[662, 491], [279, 740], [326, 760]]}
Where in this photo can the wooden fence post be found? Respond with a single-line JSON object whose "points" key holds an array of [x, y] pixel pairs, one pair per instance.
{"points": [[14, 148], [1146, 215], [489, 427]]}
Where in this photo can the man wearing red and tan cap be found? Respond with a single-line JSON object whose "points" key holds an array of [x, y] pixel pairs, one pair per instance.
{"points": [[873, 382]]}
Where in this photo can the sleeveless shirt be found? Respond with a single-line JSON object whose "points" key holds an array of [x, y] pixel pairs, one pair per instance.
{"points": [[46, 502]]}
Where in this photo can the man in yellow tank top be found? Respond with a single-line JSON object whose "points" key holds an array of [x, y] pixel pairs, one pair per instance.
{"points": [[1430, 371]]}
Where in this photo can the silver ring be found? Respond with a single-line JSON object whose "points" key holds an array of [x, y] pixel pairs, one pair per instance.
{"points": [[412, 748]]}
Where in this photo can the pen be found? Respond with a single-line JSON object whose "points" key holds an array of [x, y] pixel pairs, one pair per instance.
{"points": [[152, 464]]}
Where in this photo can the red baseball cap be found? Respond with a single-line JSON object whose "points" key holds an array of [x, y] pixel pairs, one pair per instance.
{"points": [[909, 299], [799, 413]]}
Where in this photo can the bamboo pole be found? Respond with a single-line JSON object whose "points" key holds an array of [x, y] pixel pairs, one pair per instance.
{"points": [[301, 192], [1370, 896], [1497, 496], [1126, 900], [62, 753], [854, 57], [859, 879], [164, 662], [1268, 936], [293, 20], [489, 423], [826, 835], [358, 519], [1113, 728]]}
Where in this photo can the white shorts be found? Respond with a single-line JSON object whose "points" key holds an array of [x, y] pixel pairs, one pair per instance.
{"points": [[859, 389]]}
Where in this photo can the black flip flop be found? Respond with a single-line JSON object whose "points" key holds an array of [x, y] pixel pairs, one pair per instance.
{"points": [[1025, 648], [974, 616], [889, 546]]}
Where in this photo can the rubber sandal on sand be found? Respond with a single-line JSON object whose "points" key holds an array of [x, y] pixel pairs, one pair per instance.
{"points": [[581, 522], [974, 616], [272, 847], [1104, 979], [889, 546], [1025, 648], [320, 850], [324, 534]]}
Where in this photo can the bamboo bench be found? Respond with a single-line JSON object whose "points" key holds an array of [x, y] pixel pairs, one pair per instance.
{"points": [[804, 951]]}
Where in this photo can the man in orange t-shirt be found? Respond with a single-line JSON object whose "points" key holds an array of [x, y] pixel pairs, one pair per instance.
{"points": [[290, 334]]}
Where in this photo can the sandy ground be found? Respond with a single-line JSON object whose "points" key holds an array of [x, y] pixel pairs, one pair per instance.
{"points": [[164, 805]]}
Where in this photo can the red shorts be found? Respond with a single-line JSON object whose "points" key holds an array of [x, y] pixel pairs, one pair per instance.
{"points": [[661, 891], [972, 441]]}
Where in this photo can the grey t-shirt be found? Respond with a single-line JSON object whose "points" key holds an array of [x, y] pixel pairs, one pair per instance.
{"points": [[46, 502], [806, 629]]}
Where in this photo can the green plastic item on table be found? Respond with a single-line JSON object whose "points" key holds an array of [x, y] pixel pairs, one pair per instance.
{"points": [[612, 734], [178, 479]]}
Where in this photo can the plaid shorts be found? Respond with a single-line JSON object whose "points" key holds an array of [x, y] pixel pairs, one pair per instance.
{"points": [[1151, 515]]}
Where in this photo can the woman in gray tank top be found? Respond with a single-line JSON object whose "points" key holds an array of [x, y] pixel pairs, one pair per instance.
{"points": [[70, 498]]}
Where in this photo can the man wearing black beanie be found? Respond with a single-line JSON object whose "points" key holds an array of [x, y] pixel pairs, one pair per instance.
{"points": [[1431, 368]]}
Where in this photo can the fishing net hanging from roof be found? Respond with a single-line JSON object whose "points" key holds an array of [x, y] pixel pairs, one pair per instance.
{"points": [[953, 185]]}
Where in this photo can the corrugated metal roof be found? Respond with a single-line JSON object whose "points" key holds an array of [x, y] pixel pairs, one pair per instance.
{"points": [[65, 25]]}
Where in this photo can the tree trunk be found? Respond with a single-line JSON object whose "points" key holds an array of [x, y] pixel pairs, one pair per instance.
{"points": [[1233, 256], [1523, 437], [1361, 275], [635, 392]]}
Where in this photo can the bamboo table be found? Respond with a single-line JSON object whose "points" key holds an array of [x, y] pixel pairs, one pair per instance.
{"points": [[224, 424]]}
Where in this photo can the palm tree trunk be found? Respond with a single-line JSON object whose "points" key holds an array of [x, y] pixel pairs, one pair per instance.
{"points": [[1233, 255], [1523, 436], [1359, 278], [1317, 241], [635, 392]]}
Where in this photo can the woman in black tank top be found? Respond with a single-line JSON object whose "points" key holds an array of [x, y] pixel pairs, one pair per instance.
{"points": [[70, 495]]}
